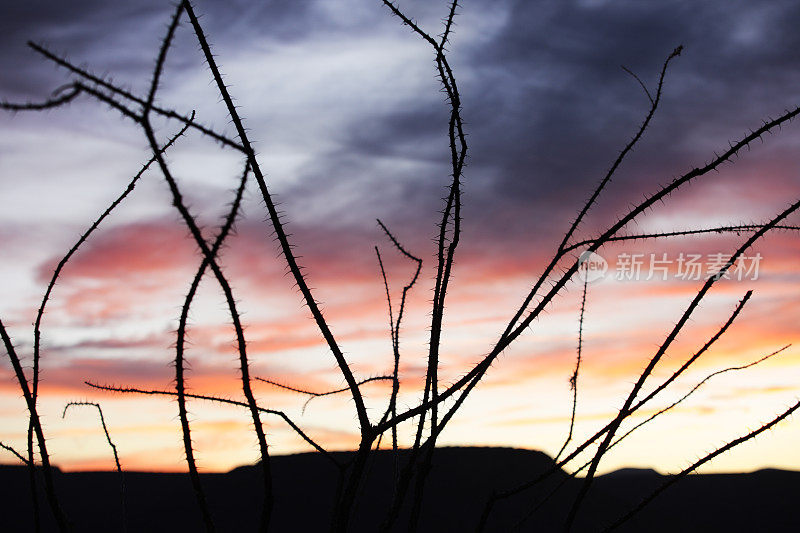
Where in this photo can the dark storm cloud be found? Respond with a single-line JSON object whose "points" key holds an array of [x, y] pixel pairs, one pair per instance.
{"points": [[406, 133], [72, 27], [546, 103], [551, 106], [111, 36], [548, 107]]}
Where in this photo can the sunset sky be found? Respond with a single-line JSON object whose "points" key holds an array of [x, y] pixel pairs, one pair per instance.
{"points": [[350, 125]]}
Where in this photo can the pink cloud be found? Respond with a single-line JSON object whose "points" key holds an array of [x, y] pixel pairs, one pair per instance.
{"points": [[129, 252]]}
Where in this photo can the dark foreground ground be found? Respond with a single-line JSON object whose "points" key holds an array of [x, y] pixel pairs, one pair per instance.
{"points": [[767, 500]]}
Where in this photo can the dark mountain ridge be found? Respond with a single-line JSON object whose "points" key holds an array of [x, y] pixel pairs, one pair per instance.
{"points": [[459, 484]]}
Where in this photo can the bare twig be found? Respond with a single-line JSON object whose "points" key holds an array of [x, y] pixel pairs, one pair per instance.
{"points": [[286, 249], [218, 399], [638, 426], [499, 495], [177, 201], [573, 380], [99, 82], [18, 455], [181, 333], [692, 391], [313, 394], [641, 83], [737, 229], [395, 333], [445, 258], [276, 222], [697, 464], [477, 372], [49, 485], [72, 91], [401, 479], [593, 198], [83, 238], [448, 24], [662, 349], [113, 449]]}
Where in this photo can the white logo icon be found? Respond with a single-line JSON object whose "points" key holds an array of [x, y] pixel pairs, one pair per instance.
{"points": [[591, 267]]}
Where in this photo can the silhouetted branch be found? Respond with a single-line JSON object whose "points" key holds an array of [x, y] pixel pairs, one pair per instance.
{"points": [[395, 333], [102, 422], [468, 379], [652, 417], [72, 91], [685, 396], [15, 452], [471, 379], [143, 120], [181, 333], [177, 201], [592, 199], [83, 73], [448, 24], [458, 152], [162, 56], [677, 477], [319, 394], [695, 388], [625, 151], [445, 258], [277, 224], [411, 24], [76, 89], [64, 260], [401, 479], [111, 102], [49, 485], [364, 422], [395, 369], [737, 229], [218, 399], [573, 380], [499, 495], [663, 348], [113, 449], [388, 297], [641, 83], [697, 354]]}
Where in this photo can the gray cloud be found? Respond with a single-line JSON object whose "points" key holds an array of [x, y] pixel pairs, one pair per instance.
{"points": [[546, 102]]}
